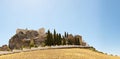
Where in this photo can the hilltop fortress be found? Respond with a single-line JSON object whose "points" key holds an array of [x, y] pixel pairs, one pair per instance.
{"points": [[25, 38]]}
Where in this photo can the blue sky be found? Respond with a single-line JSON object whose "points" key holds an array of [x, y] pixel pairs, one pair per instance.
{"points": [[96, 20]]}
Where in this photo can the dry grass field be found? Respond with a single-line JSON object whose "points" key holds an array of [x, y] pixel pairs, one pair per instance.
{"points": [[74, 53]]}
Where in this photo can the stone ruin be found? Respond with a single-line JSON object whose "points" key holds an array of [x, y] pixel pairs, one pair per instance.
{"points": [[23, 36]]}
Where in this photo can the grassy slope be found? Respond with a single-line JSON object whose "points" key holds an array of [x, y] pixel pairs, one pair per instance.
{"points": [[74, 53]]}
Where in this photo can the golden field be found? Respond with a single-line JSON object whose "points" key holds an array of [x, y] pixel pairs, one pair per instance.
{"points": [[74, 53]]}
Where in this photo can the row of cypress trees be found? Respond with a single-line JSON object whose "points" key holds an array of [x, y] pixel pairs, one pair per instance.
{"points": [[57, 39], [53, 39]]}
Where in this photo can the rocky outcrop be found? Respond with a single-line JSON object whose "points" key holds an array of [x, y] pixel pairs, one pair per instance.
{"points": [[23, 37], [4, 48]]}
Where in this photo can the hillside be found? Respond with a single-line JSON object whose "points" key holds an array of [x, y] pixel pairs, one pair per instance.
{"points": [[73, 53]]}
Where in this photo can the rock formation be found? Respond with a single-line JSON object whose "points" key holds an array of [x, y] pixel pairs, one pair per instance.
{"points": [[23, 37], [4, 48]]}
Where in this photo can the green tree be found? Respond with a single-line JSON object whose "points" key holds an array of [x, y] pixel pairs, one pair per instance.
{"points": [[51, 39], [70, 42], [55, 38], [65, 34], [47, 41], [63, 41], [59, 39]]}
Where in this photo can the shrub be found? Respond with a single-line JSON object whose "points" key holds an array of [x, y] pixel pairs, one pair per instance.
{"points": [[43, 44], [32, 43]]}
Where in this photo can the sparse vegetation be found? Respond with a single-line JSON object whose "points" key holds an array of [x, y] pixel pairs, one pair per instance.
{"points": [[43, 44], [32, 43]]}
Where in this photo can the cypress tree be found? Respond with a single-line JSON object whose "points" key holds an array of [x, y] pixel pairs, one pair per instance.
{"points": [[51, 39], [65, 34], [54, 39], [59, 39], [47, 41]]}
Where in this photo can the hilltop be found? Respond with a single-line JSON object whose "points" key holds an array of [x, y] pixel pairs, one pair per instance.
{"points": [[73, 53], [25, 44], [25, 38]]}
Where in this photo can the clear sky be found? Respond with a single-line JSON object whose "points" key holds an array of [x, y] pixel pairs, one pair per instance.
{"points": [[98, 21]]}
